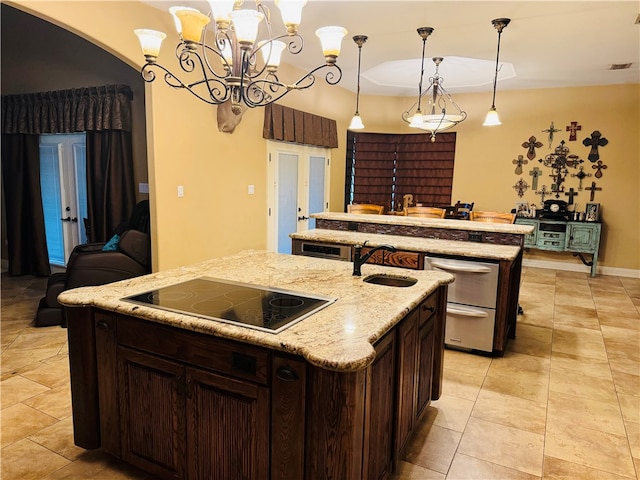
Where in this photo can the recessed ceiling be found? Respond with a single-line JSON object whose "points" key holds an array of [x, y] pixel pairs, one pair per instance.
{"points": [[547, 44]]}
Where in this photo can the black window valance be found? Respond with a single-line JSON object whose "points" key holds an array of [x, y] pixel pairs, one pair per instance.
{"points": [[290, 125], [85, 109]]}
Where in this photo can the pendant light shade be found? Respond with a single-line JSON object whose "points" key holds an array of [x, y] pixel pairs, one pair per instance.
{"points": [[441, 111], [356, 121], [492, 118]]}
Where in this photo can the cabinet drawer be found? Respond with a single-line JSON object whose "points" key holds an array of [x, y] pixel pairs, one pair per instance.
{"points": [[224, 356], [413, 260], [428, 308]]}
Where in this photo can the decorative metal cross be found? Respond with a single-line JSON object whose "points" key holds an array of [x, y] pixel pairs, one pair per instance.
{"points": [[581, 176], [543, 193], [518, 162], [531, 145], [573, 130], [593, 190], [521, 186], [596, 140], [571, 193], [550, 131], [535, 173], [598, 167]]}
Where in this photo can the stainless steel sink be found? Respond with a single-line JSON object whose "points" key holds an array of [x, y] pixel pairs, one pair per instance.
{"points": [[390, 280]]}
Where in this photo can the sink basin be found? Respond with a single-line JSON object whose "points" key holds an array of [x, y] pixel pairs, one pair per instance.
{"points": [[390, 280]]}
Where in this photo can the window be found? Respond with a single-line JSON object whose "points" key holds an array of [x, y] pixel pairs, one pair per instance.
{"points": [[381, 168]]}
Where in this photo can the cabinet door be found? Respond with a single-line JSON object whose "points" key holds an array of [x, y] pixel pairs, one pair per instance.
{"points": [[379, 417], [531, 239], [583, 237], [106, 352], [228, 428], [407, 339], [152, 409], [426, 339]]}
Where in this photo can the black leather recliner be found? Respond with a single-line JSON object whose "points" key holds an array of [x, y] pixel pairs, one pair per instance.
{"points": [[90, 265]]}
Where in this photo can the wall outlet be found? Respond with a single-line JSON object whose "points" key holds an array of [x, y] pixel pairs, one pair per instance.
{"points": [[251, 189], [180, 191]]}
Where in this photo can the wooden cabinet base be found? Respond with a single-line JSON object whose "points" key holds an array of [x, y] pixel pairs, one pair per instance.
{"points": [[175, 403]]}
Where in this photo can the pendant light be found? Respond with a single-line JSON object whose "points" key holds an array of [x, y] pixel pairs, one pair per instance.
{"points": [[442, 112], [492, 115], [356, 121]]}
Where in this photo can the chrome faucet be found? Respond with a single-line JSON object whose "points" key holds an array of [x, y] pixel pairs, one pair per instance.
{"points": [[359, 259]]}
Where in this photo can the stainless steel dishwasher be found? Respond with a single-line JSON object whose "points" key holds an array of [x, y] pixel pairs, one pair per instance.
{"points": [[471, 306]]}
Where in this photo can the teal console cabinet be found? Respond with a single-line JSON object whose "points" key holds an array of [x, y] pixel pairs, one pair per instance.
{"points": [[565, 236]]}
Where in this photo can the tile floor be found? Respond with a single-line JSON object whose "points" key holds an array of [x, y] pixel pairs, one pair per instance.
{"points": [[563, 403]]}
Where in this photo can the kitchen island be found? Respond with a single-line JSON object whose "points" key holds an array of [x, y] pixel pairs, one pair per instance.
{"points": [[483, 308], [335, 395]]}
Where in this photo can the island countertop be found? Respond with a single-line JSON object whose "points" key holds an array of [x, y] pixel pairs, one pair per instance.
{"points": [[449, 224], [338, 337], [415, 244]]}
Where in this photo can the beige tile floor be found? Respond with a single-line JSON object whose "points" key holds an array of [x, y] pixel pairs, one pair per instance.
{"points": [[563, 402]]}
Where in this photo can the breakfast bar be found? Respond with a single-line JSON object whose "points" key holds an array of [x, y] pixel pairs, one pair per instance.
{"points": [[179, 394]]}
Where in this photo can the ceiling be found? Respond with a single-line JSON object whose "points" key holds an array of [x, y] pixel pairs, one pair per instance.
{"points": [[547, 44]]}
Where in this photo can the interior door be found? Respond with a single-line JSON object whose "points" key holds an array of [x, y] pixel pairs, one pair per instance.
{"points": [[298, 178], [63, 187]]}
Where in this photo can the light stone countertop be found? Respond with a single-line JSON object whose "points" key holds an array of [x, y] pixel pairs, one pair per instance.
{"points": [[427, 222], [338, 337], [414, 244]]}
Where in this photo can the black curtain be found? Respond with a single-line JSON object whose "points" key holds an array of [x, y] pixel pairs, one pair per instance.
{"points": [[104, 113], [27, 244]]}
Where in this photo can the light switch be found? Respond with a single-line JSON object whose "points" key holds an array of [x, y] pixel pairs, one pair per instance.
{"points": [[180, 191], [251, 190]]}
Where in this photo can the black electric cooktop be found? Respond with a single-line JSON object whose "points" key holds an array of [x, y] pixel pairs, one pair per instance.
{"points": [[263, 308]]}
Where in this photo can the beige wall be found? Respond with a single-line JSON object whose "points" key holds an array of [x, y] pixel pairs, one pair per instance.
{"points": [[217, 217]]}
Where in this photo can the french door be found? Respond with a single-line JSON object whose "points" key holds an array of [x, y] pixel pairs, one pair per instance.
{"points": [[63, 187], [298, 179]]}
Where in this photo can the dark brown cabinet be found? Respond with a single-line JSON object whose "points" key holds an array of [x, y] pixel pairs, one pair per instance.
{"points": [[181, 404]]}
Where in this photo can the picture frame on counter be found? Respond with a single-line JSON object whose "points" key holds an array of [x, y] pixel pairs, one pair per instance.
{"points": [[592, 212], [522, 209]]}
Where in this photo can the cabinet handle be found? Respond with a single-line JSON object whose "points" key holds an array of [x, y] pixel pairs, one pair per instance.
{"points": [[103, 325], [286, 374], [429, 308]]}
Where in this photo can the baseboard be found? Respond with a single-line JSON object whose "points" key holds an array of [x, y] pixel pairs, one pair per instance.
{"points": [[570, 267]]}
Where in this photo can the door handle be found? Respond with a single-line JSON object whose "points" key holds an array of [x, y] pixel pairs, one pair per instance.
{"points": [[68, 219], [74, 219], [302, 218]]}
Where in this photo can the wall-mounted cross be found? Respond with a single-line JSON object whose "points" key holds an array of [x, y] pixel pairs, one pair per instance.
{"points": [[581, 176], [531, 146], [518, 162], [596, 140], [573, 130], [571, 193], [593, 190], [598, 167], [550, 131], [543, 193], [521, 186], [535, 173]]}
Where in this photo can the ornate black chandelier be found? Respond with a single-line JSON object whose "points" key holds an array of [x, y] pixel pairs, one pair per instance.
{"points": [[236, 67]]}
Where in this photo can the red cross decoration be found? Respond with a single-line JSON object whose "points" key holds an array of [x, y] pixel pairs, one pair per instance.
{"points": [[573, 130]]}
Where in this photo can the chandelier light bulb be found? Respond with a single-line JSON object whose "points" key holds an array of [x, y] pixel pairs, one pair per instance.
{"points": [[245, 23], [150, 41], [192, 23], [220, 10], [331, 40], [176, 20], [272, 53], [291, 11]]}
